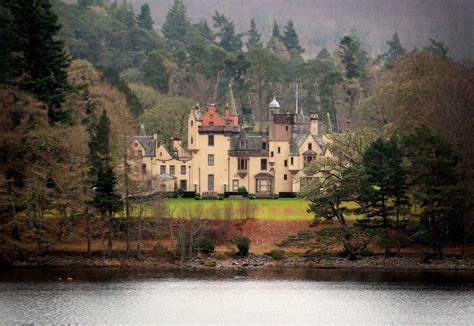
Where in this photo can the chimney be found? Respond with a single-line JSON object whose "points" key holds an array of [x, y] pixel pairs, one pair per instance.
{"points": [[155, 135], [176, 141], [314, 124]]}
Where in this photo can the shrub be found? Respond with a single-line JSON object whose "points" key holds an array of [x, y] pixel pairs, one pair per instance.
{"points": [[221, 196], [197, 196], [252, 196], [162, 250], [275, 196], [243, 244], [206, 246], [242, 189], [277, 254]]}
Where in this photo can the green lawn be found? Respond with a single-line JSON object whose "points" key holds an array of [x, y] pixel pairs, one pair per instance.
{"points": [[264, 209]]}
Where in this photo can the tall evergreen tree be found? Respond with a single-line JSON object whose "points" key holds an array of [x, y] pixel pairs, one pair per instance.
{"points": [[228, 39], [36, 56], [436, 176], [144, 18], [276, 31], [349, 48], [438, 48], [253, 40], [102, 174], [383, 183], [395, 50], [290, 38], [205, 31], [176, 24]]}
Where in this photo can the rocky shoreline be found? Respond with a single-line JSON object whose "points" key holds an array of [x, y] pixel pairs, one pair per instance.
{"points": [[252, 261]]}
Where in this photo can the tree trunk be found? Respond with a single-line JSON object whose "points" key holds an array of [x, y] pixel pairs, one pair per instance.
{"points": [[111, 235], [398, 234], [139, 233], [88, 230], [127, 203]]}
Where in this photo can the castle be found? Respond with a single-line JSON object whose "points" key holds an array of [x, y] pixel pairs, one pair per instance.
{"points": [[221, 157]]}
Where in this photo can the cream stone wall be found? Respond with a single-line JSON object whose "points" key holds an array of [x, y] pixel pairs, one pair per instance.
{"points": [[195, 159], [220, 169]]}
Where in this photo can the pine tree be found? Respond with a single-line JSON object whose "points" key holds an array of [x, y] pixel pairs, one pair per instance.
{"points": [[176, 24], [102, 174], [349, 48], [436, 179], [383, 183], [39, 58], [253, 36], [204, 30], [276, 31], [395, 50], [228, 39], [144, 19], [290, 38], [438, 48], [323, 54]]}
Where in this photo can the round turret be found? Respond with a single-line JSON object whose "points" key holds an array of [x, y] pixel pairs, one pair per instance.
{"points": [[274, 103]]}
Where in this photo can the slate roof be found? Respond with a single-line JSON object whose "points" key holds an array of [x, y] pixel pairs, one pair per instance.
{"points": [[197, 114], [147, 142], [254, 143], [165, 176], [299, 140]]}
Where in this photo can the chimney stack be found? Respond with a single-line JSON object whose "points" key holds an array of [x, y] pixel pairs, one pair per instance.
{"points": [[314, 124]]}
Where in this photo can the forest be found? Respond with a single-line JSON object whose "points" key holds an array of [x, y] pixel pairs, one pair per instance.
{"points": [[76, 78]]}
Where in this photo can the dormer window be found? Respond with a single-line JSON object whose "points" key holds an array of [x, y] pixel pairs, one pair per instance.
{"points": [[264, 146], [310, 146], [243, 144], [211, 124], [192, 123]]}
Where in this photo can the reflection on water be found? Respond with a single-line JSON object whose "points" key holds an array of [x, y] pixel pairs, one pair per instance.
{"points": [[125, 296]]}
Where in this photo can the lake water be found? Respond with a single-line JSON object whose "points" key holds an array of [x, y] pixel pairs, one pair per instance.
{"points": [[129, 296]]}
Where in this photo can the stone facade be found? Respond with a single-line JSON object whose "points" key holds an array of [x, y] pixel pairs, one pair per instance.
{"points": [[221, 157]]}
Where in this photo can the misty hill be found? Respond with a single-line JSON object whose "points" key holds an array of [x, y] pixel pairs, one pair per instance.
{"points": [[321, 23]]}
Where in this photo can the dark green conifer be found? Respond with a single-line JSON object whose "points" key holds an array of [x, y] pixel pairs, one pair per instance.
{"points": [[253, 40], [290, 38], [36, 56], [228, 39], [144, 18]]}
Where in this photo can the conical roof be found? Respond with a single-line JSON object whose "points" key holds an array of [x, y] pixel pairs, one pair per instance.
{"points": [[231, 101]]}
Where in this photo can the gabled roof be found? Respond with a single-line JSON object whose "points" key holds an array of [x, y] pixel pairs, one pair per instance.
{"points": [[300, 139], [147, 142]]}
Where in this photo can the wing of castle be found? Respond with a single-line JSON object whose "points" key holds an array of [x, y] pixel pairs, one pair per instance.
{"points": [[219, 156]]}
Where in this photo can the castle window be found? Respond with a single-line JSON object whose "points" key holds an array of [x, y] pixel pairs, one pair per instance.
{"points": [[210, 140], [143, 168], [271, 154], [210, 159], [285, 177], [183, 169], [264, 145], [192, 140], [192, 122], [242, 164], [310, 146], [211, 124], [292, 161], [286, 128], [172, 170], [210, 182], [279, 151], [285, 163], [235, 185], [162, 169], [183, 184], [263, 164]]}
